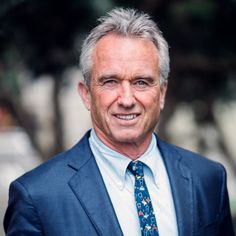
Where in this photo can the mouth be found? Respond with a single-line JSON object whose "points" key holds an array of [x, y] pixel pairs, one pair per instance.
{"points": [[126, 117]]}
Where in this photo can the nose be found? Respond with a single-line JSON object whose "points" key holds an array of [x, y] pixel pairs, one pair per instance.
{"points": [[126, 96]]}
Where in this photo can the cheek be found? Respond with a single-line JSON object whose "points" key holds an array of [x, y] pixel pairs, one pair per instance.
{"points": [[105, 98], [150, 101], [102, 101]]}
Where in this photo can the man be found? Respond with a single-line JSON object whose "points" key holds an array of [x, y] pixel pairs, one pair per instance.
{"points": [[120, 179]]}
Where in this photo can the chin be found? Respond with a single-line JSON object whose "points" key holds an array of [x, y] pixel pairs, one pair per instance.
{"points": [[127, 137]]}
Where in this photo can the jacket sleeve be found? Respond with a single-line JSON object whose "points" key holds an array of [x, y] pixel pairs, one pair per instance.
{"points": [[226, 225], [21, 217]]}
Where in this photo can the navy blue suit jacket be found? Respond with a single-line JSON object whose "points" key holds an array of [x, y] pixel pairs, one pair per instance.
{"points": [[67, 196]]}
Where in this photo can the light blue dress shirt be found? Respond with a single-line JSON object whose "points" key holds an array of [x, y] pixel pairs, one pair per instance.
{"points": [[120, 186]]}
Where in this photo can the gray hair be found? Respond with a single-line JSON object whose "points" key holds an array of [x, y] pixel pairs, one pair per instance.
{"points": [[129, 23]]}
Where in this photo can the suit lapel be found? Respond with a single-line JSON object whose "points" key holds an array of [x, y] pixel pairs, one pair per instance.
{"points": [[88, 186], [181, 185]]}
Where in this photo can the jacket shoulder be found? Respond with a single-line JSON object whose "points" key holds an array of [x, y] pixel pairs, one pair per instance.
{"points": [[57, 169], [195, 162]]}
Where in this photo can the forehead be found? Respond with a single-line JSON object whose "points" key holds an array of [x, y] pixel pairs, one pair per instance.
{"points": [[113, 43], [114, 51]]}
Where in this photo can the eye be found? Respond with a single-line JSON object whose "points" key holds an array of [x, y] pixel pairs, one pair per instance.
{"points": [[109, 83], [141, 84]]}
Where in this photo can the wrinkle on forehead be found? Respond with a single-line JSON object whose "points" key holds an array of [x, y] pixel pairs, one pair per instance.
{"points": [[112, 41]]}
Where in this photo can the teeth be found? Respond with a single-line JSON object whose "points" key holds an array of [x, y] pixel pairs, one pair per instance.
{"points": [[126, 117]]}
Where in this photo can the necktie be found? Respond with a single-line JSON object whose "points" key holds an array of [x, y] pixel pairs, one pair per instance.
{"points": [[145, 210]]}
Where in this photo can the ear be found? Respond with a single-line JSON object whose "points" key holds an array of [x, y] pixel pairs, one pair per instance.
{"points": [[163, 90], [85, 95]]}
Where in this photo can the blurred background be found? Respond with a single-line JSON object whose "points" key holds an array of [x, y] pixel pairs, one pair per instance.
{"points": [[41, 113]]}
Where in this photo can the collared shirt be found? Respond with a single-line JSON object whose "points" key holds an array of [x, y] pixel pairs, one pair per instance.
{"points": [[120, 186]]}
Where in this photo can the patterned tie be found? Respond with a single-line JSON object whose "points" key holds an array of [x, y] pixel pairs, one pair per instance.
{"points": [[145, 210]]}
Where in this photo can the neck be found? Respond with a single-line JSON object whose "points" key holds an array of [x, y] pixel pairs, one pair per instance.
{"points": [[132, 150]]}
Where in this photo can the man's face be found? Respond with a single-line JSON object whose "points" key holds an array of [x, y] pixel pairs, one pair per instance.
{"points": [[125, 96]]}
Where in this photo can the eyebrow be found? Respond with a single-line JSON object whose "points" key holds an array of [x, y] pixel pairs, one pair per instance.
{"points": [[147, 78], [103, 78]]}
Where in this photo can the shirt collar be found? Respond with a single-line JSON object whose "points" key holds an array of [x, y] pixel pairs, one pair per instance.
{"points": [[116, 164]]}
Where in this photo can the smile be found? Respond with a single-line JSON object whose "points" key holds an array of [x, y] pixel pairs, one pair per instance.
{"points": [[127, 117]]}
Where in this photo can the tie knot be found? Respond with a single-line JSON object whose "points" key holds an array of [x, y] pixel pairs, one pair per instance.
{"points": [[136, 168]]}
